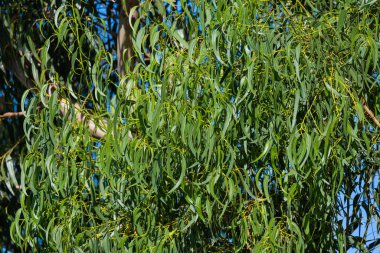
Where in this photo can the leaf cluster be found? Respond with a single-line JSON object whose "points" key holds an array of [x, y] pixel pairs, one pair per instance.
{"points": [[249, 133]]}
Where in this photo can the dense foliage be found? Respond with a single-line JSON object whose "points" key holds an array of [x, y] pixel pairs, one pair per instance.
{"points": [[239, 126]]}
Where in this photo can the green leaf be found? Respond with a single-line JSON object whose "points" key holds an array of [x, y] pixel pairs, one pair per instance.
{"points": [[183, 172]]}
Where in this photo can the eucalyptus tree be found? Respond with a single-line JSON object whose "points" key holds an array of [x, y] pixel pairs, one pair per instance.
{"points": [[234, 126]]}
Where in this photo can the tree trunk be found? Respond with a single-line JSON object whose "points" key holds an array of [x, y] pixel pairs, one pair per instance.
{"points": [[124, 37]]}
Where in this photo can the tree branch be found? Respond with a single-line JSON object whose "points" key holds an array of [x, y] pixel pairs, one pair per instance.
{"points": [[95, 131], [370, 113], [12, 114]]}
